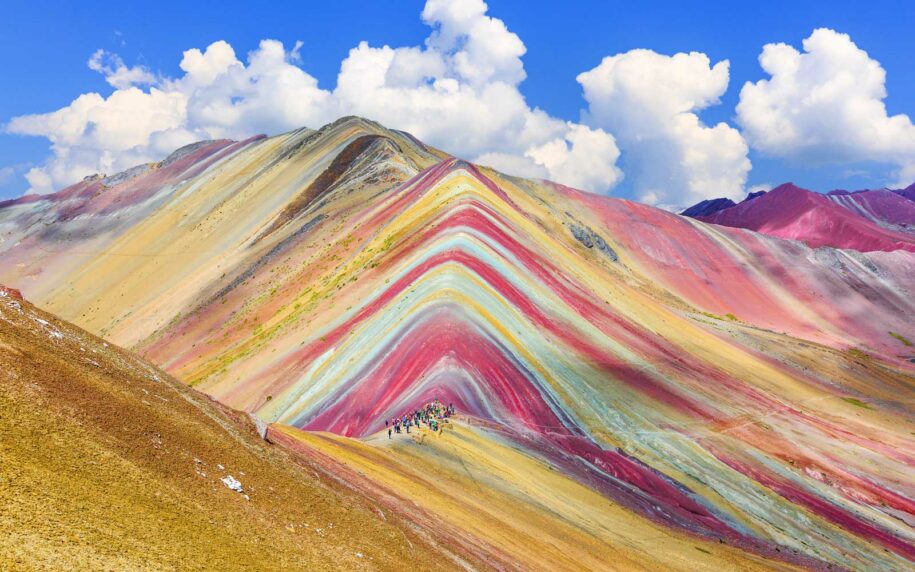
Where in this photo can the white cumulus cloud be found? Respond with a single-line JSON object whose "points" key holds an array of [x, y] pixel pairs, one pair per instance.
{"points": [[649, 102], [825, 105], [116, 73], [583, 158], [95, 133], [459, 91]]}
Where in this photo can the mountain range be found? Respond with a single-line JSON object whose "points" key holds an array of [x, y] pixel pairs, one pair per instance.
{"points": [[865, 220], [635, 388]]}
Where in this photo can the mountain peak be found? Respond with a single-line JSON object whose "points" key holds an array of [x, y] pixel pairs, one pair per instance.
{"points": [[908, 192], [789, 211], [788, 187], [357, 124], [707, 207]]}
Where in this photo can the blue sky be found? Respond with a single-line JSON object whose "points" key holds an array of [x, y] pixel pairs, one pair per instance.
{"points": [[44, 48]]}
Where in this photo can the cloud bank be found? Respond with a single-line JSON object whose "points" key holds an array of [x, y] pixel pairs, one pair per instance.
{"points": [[825, 106], [460, 91], [649, 102]]}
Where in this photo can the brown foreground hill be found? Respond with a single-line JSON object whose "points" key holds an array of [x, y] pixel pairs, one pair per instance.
{"points": [[109, 463]]}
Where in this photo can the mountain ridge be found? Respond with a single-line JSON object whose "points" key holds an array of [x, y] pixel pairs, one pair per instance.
{"points": [[707, 379], [866, 221]]}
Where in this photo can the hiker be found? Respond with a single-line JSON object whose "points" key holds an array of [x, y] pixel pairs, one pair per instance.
{"points": [[434, 414]]}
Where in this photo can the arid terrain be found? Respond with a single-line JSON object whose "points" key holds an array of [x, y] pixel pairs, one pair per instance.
{"points": [[633, 389], [108, 463]]}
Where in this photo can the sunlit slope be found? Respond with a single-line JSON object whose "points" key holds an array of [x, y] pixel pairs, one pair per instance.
{"points": [[135, 262], [711, 381], [45, 239], [819, 220], [107, 463], [511, 508], [475, 291]]}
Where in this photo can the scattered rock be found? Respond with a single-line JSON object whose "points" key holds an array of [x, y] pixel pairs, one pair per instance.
{"points": [[233, 484], [10, 293], [127, 175], [183, 152], [590, 239], [260, 425]]}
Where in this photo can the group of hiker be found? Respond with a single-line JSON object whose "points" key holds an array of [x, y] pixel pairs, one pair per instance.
{"points": [[434, 415]]}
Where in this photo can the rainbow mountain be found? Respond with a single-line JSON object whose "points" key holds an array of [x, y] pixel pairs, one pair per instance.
{"points": [[635, 389]]}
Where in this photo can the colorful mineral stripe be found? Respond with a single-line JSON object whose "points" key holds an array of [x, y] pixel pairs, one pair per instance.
{"points": [[711, 382]]}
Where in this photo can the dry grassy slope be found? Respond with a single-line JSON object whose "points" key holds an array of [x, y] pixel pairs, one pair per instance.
{"points": [[508, 506], [108, 463]]}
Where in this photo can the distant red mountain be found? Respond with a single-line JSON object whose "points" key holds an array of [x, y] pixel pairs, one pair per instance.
{"points": [[879, 206], [788, 211], [908, 192], [708, 207]]}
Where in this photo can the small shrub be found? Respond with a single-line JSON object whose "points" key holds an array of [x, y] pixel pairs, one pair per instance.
{"points": [[855, 352], [857, 402], [901, 338]]}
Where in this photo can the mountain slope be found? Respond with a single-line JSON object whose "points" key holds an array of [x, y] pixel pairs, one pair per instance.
{"points": [[879, 206], [791, 212], [108, 463], [907, 193], [720, 384], [490, 497], [708, 207]]}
